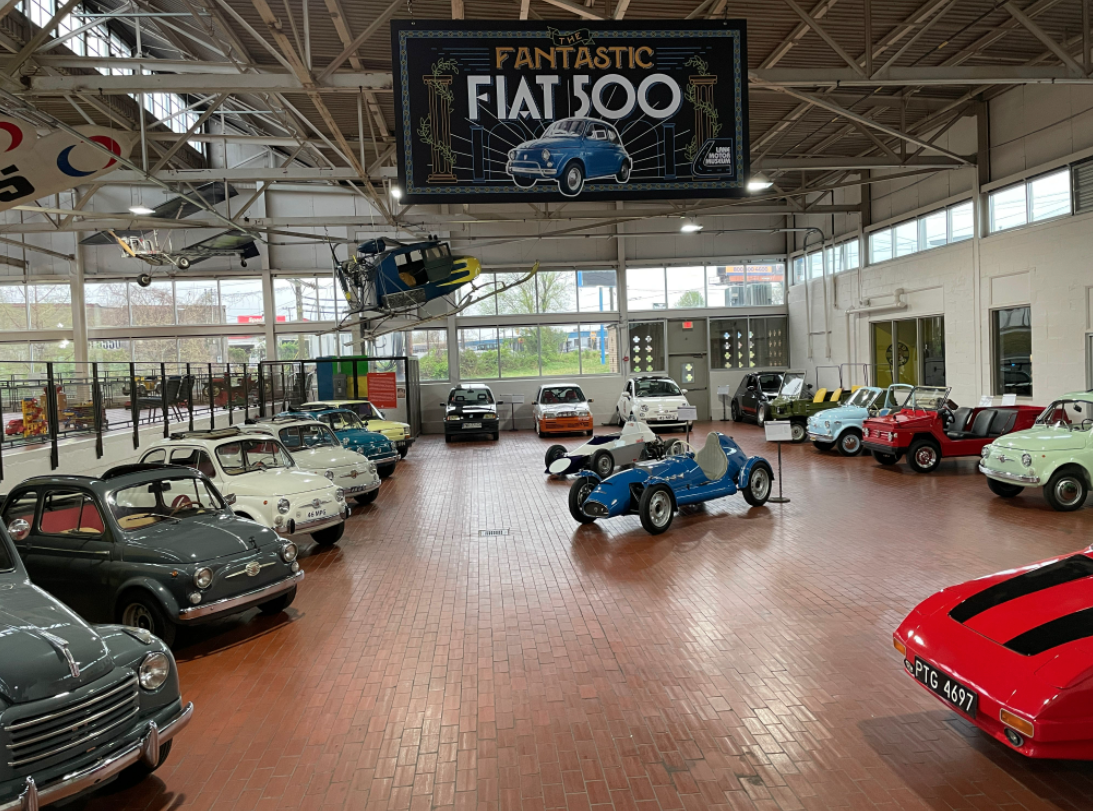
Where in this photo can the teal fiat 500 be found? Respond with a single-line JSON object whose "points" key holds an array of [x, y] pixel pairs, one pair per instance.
{"points": [[351, 432], [840, 428], [79, 704]]}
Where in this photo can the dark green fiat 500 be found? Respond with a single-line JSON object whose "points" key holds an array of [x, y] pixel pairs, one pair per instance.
{"points": [[149, 546], [78, 704]]}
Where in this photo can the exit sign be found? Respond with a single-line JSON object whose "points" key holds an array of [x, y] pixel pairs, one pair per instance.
{"points": [[688, 325]]}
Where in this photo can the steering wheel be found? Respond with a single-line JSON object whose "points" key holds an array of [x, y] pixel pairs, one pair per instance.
{"points": [[947, 416], [180, 503]]}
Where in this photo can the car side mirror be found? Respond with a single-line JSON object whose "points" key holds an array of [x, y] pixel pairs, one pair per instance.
{"points": [[443, 404], [751, 387], [18, 529], [590, 400], [684, 391], [229, 499]]}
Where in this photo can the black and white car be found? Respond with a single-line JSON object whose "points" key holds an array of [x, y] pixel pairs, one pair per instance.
{"points": [[470, 409]]}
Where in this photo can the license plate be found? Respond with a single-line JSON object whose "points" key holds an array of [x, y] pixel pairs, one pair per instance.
{"points": [[316, 513], [963, 698], [467, 425]]}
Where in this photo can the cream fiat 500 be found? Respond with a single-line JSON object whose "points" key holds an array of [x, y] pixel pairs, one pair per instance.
{"points": [[260, 480], [316, 449]]}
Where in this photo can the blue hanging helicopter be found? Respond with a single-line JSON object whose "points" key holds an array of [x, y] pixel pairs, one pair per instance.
{"points": [[390, 276]]}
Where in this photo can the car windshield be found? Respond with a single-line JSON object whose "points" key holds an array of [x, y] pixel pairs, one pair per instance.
{"points": [[863, 398], [656, 387], [770, 383], [554, 395], [299, 437], [929, 398], [246, 455], [368, 411], [461, 396], [1075, 415], [142, 505], [793, 384], [567, 126], [898, 396]]}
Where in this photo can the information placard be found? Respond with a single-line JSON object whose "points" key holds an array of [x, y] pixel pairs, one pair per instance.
{"points": [[724, 391], [514, 399], [689, 413], [1009, 399], [779, 431], [383, 389], [986, 401]]}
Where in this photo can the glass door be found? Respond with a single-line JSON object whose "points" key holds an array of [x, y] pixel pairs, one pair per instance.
{"points": [[911, 350]]}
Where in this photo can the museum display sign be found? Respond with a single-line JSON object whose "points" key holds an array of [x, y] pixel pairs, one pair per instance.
{"points": [[549, 110]]}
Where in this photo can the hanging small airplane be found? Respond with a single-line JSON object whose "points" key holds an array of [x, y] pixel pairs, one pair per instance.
{"points": [[390, 277], [144, 243]]}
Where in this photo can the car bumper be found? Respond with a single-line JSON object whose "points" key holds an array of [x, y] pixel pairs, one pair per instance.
{"points": [[1004, 476], [146, 749], [387, 458], [231, 605], [815, 437], [665, 422], [484, 427], [879, 448], [293, 528], [361, 488], [530, 168], [566, 425]]}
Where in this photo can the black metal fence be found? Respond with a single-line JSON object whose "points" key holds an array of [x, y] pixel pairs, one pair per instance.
{"points": [[66, 400]]}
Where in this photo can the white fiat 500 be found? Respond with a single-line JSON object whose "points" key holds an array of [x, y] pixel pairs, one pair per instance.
{"points": [[260, 480], [316, 449], [654, 400]]}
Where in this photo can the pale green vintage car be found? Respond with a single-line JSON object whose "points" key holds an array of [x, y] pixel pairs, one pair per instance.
{"points": [[1055, 454]]}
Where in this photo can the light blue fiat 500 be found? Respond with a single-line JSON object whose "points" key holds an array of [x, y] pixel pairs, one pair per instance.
{"points": [[840, 428]]}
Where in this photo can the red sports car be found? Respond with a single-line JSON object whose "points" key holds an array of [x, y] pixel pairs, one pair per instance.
{"points": [[1013, 653], [931, 427]]}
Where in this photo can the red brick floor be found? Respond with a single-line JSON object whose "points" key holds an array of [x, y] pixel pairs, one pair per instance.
{"points": [[743, 660]]}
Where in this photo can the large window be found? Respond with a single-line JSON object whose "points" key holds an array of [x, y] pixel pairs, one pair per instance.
{"points": [[549, 291], [942, 227], [698, 286], [1011, 337], [163, 303], [310, 298], [550, 350], [430, 347], [305, 346], [1041, 198], [749, 342]]}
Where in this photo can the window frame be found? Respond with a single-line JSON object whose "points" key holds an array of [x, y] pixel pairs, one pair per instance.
{"points": [[997, 376]]}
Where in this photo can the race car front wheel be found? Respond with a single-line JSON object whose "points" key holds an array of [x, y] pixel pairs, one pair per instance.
{"points": [[578, 494], [759, 482], [554, 452], [655, 509], [603, 463]]}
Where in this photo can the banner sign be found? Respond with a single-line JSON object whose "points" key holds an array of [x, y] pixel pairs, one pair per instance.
{"points": [[33, 167], [540, 111]]}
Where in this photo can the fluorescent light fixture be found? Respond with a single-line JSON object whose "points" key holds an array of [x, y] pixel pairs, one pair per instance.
{"points": [[690, 227], [396, 193], [759, 182], [142, 210]]}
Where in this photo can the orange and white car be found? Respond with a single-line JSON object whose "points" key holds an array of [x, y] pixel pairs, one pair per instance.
{"points": [[562, 408]]}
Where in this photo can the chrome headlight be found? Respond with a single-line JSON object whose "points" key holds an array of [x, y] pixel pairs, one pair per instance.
{"points": [[283, 505], [371, 466], [489, 416], [330, 475], [289, 552], [203, 577], [345, 442], [986, 452], [827, 423], [340, 495], [644, 408], [154, 670], [360, 450], [1026, 460], [546, 154]]}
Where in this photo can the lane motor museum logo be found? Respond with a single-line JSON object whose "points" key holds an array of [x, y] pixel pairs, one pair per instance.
{"points": [[539, 111]]}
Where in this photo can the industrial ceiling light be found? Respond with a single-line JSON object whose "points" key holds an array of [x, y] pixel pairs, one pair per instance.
{"points": [[690, 226], [759, 182], [396, 193], [142, 210]]}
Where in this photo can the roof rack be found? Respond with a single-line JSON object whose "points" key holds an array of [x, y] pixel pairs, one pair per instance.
{"points": [[216, 433], [123, 470]]}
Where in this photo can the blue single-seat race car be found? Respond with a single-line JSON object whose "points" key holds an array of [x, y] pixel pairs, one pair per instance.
{"points": [[655, 490]]}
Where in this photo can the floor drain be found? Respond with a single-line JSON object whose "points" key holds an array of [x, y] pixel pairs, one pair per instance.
{"points": [[482, 533]]}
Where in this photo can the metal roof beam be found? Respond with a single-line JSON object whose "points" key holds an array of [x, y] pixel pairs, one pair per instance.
{"points": [[924, 76], [209, 83], [793, 164]]}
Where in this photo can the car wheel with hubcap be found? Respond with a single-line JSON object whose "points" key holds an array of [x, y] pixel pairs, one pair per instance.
{"points": [[1004, 489], [364, 499], [1066, 491], [279, 603], [923, 456], [759, 485], [623, 175], [141, 610], [571, 180], [761, 416], [800, 433], [578, 494], [385, 471], [655, 509], [603, 463], [554, 452], [885, 458], [736, 415], [330, 535], [849, 442], [822, 446]]}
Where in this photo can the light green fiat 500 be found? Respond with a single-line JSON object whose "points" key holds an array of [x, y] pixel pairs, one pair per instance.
{"points": [[1055, 454]]}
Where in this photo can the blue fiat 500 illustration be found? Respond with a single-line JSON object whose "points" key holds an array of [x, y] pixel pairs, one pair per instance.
{"points": [[570, 152]]}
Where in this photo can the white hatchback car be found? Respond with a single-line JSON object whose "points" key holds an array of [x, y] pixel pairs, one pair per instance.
{"points": [[260, 480], [654, 400], [315, 448]]}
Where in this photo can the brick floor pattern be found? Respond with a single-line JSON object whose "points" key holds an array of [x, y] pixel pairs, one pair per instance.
{"points": [[741, 661]]}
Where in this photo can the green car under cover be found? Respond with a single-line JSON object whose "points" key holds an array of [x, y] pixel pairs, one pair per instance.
{"points": [[79, 704], [796, 404], [1056, 454]]}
